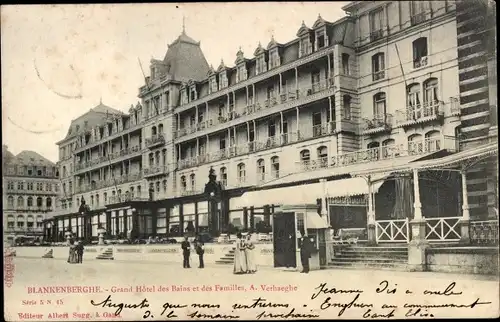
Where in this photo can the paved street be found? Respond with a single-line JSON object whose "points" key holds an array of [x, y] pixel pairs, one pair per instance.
{"points": [[216, 285]]}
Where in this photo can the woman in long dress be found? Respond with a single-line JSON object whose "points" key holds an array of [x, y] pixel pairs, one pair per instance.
{"points": [[240, 262], [73, 256], [250, 254]]}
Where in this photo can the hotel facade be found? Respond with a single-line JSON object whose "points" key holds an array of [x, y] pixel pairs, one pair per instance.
{"points": [[383, 118], [30, 189]]}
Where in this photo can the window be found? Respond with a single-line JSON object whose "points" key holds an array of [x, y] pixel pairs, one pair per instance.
{"points": [[151, 159], [223, 176], [241, 173], [39, 202], [183, 183], [320, 36], [270, 92], [158, 186], [379, 106], [242, 72], [20, 221], [345, 64], [10, 185], [417, 12], [322, 152], [376, 24], [223, 80], [30, 201], [420, 52], [39, 186], [10, 201], [413, 97], [193, 94], [160, 129], [153, 131], [213, 84], [164, 186], [271, 129], [275, 166], [20, 202], [430, 92], [305, 156], [193, 181], [97, 200], [378, 66], [274, 58], [164, 156], [261, 65], [20, 186], [261, 170], [347, 107], [48, 202], [105, 197], [157, 158], [30, 185]]}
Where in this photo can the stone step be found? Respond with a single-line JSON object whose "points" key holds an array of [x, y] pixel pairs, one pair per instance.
{"points": [[362, 256], [223, 262], [385, 266], [375, 250], [368, 260]]}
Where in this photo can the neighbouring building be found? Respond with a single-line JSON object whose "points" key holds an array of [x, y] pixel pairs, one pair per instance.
{"points": [[30, 189], [367, 116]]}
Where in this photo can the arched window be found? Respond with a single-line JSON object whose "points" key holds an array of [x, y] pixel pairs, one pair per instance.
{"points": [[10, 201], [160, 129], [241, 173], [347, 107], [183, 183], [30, 221], [10, 221], [64, 171], [92, 201], [432, 141], [193, 181], [39, 202], [389, 149], [164, 186], [151, 159], [153, 131], [379, 106], [413, 103], [105, 197], [373, 145], [415, 144], [305, 156], [157, 157], [119, 192], [261, 170], [431, 93], [275, 166], [30, 201], [78, 202], [97, 200], [39, 221], [223, 176], [158, 186], [164, 156], [322, 153], [113, 193]]}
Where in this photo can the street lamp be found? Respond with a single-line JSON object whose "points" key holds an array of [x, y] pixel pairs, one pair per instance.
{"points": [[213, 190]]}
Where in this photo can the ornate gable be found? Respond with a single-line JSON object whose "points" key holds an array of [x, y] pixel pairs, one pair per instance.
{"points": [[222, 67], [259, 50], [303, 30], [240, 58], [320, 22]]}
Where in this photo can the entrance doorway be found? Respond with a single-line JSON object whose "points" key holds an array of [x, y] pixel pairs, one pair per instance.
{"points": [[284, 240]]}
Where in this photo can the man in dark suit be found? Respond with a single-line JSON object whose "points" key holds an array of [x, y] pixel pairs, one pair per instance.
{"points": [[79, 251], [305, 251], [186, 252], [198, 246]]}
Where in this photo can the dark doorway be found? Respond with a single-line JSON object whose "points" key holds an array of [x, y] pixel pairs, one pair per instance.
{"points": [[284, 239]]}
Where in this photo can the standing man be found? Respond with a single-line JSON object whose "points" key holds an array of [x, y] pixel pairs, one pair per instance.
{"points": [[79, 251], [198, 246], [305, 251], [185, 252]]}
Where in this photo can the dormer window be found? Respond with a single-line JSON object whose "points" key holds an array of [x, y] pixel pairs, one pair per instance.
{"points": [[193, 95], [274, 58], [241, 72], [320, 39], [261, 65], [223, 83], [213, 84], [345, 64], [305, 46], [184, 96], [153, 72]]}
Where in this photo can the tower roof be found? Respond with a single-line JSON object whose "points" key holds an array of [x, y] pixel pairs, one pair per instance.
{"points": [[185, 60]]}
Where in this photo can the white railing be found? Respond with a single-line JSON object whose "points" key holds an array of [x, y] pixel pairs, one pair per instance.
{"points": [[379, 121], [392, 230], [443, 229], [483, 232], [420, 112]]}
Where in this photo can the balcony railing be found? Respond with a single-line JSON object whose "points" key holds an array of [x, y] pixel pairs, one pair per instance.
{"points": [[381, 153], [156, 170], [190, 192], [155, 140], [125, 198], [484, 232], [379, 123], [288, 95], [109, 182], [377, 34], [108, 158], [420, 113]]}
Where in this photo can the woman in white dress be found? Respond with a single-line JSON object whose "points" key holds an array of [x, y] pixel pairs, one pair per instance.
{"points": [[250, 254], [240, 262]]}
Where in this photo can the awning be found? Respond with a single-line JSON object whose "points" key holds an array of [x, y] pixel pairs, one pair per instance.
{"points": [[315, 221], [307, 194]]}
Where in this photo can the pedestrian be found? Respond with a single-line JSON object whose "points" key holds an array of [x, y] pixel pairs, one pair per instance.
{"points": [[305, 251], [249, 254], [198, 246], [186, 251], [79, 251], [72, 257], [240, 262]]}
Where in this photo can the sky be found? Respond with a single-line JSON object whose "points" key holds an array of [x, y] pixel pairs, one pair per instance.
{"points": [[59, 61]]}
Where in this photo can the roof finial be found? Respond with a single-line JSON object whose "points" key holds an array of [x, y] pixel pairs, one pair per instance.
{"points": [[184, 24]]}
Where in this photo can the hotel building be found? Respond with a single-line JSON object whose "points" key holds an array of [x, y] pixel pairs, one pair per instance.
{"points": [[342, 116], [30, 188]]}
